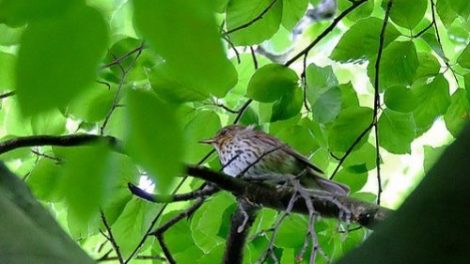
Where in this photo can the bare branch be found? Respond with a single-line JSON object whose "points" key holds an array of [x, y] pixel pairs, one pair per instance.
{"points": [[111, 239], [326, 31], [7, 94], [155, 198], [65, 141], [363, 213], [377, 98]]}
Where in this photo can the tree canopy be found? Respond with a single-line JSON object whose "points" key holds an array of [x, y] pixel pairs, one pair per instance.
{"points": [[103, 104]]}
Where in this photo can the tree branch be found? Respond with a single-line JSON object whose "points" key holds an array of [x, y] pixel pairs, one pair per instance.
{"points": [[363, 213], [377, 97], [325, 32], [156, 198], [7, 94], [242, 220], [65, 141], [111, 239]]}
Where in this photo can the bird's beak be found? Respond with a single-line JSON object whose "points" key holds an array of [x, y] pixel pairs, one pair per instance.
{"points": [[208, 141]]}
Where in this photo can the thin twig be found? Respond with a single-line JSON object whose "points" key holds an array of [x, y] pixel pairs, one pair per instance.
{"points": [[446, 60], [249, 23], [351, 148], [326, 31], [303, 78], [166, 251], [111, 238], [155, 198], [107, 258], [7, 94], [417, 35], [124, 74], [377, 98], [232, 46], [118, 60]]}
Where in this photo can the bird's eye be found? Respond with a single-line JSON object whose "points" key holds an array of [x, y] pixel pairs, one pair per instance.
{"points": [[223, 132]]}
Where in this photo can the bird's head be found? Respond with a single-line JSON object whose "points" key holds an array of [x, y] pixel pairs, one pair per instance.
{"points": [[227, 135]]}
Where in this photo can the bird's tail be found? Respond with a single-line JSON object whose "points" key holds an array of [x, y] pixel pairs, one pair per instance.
{"points": [[311, 180]]}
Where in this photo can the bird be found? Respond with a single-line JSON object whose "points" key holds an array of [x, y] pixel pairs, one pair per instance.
{"points": [[251, 154]]}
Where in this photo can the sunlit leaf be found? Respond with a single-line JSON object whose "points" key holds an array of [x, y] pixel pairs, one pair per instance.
{"points": [[464, 58], [243, 13], [202, 64], [46, 66], [433, 100], [7, 73], [327, 106], [203, 126], [292, 12], [398, 65], [271, 82], [401, 99], [406, 15], [396, 131], [355, 181], [358, 44], [154, 137], [84, 180], [458, 113], [288, 106], [349, 125]]}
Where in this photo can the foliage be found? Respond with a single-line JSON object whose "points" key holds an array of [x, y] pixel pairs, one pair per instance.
{"points": [[162, 75]]}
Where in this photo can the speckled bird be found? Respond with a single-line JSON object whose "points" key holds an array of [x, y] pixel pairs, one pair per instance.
{"points": [[248, 153]]}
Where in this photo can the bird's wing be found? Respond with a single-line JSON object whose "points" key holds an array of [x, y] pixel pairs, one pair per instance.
{"points": [[276, 143]]}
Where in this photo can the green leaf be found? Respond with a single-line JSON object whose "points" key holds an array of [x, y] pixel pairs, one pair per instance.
{"points": [[467, 84], [173, 90], [398, 65], [396, 131], [154, 137], [10, 36], [327, 106], [431, 156], [93, 104], [428, 65], [51, 122], [207, 220], [401, 99], [178, 237], [299, 138], [292, 12], [7, 73], [203, 126], [271, 82], [348, 96], [406, 15], [358, 44], [44, 179], [445, 11], [291, 232], [355, 181], [433, 100], [350, 123], [84, 180], [288, 106], [191, 46], [458, 113], [319, 80], [363, 11], [361, 160], [125, 230], [464, 58], [461, 7], [17, 12], [242, 13], [46, 66]]}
